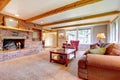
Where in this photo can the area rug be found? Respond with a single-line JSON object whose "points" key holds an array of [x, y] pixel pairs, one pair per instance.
{"points": [[38, 67]]}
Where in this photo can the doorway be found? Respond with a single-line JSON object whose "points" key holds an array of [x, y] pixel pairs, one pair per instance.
{"points": [[50, 39]]}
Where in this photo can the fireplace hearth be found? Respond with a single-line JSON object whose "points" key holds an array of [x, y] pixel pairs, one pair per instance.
{"points": [[13, 44]]}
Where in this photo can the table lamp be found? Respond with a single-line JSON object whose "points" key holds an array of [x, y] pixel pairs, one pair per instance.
{"points": [[100, 36]]}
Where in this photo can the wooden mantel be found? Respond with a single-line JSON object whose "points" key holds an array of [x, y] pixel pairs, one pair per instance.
{"points": [[12, 37], [17, 29]]}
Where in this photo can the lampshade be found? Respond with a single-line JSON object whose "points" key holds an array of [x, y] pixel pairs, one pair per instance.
{"points": [[100, 35]]}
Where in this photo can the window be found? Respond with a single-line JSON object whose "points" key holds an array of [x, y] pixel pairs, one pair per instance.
{"points": [[115, 31], [84, 35], [71, 35]]}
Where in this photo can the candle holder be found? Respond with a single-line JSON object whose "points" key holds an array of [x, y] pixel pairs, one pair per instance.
{"points": [[18, 45]]}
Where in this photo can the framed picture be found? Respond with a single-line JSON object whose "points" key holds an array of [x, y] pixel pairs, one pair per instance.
{"points": [[61, 36], [11, 22]]}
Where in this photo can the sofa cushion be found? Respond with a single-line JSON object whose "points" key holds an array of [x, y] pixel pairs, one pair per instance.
{"points": [[83, 70], [98, 51], [86, 52], [82, 73]]}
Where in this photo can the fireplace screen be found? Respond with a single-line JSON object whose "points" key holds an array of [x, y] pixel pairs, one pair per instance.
{"points": [[13, 44]]}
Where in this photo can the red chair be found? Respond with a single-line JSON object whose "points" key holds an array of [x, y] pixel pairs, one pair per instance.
{"points": [[73, 45]]}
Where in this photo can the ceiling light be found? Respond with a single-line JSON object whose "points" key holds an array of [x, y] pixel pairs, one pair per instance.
{"points": [[41, 22], [10, 19], [16, 15]]}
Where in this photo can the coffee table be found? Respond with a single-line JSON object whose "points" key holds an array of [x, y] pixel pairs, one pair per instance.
{"points": [[68, 54]]}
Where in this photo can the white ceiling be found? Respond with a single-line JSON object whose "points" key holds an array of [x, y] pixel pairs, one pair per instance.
{"points": [[106, 18], [96, 8], [82, 27], [29, 8]]}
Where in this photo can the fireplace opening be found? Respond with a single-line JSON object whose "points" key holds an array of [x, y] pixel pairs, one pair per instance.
{"points": [[13, 44]]}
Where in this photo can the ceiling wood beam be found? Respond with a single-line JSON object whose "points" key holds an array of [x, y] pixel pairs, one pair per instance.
{"points": [[64, 8], [84, 18], [3, 3], [51, 30], [84, 24], [115, 19]]}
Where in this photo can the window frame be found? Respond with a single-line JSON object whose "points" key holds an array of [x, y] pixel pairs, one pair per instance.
{"points": [[77, 35]]}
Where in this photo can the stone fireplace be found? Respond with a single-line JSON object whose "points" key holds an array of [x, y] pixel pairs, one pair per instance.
{"points": [[13, 43]]}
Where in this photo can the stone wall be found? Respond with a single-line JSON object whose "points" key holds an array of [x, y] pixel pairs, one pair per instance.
{"points": [[13, 33], [35, 48], [31, 47]]}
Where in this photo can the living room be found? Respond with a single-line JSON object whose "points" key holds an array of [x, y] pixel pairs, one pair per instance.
{"points": [[59, 40]]}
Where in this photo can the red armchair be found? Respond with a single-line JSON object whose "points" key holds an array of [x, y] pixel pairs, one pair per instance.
{"points": [[73, 44]]}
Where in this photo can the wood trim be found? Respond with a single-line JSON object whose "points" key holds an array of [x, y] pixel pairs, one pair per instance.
{"points": [[83, 18], [17, 29], [115, 19], [40, 35], [3, 3], [64, 8], [92, 23], [57, 40], [48, 30]]}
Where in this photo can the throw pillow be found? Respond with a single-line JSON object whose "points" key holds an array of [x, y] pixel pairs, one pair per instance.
{"points": [[109, 48], [93, 46], [104, 44], [98, 51], [87, 52], [115, 52], [117, 46]]}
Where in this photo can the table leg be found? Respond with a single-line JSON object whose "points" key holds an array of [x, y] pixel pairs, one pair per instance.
{"points": [[66, 60], [50, 56], [74, 54]]}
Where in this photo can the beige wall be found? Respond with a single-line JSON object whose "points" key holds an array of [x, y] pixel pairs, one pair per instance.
{"points": [[94, 31], [61, 40], [99, 29]]}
